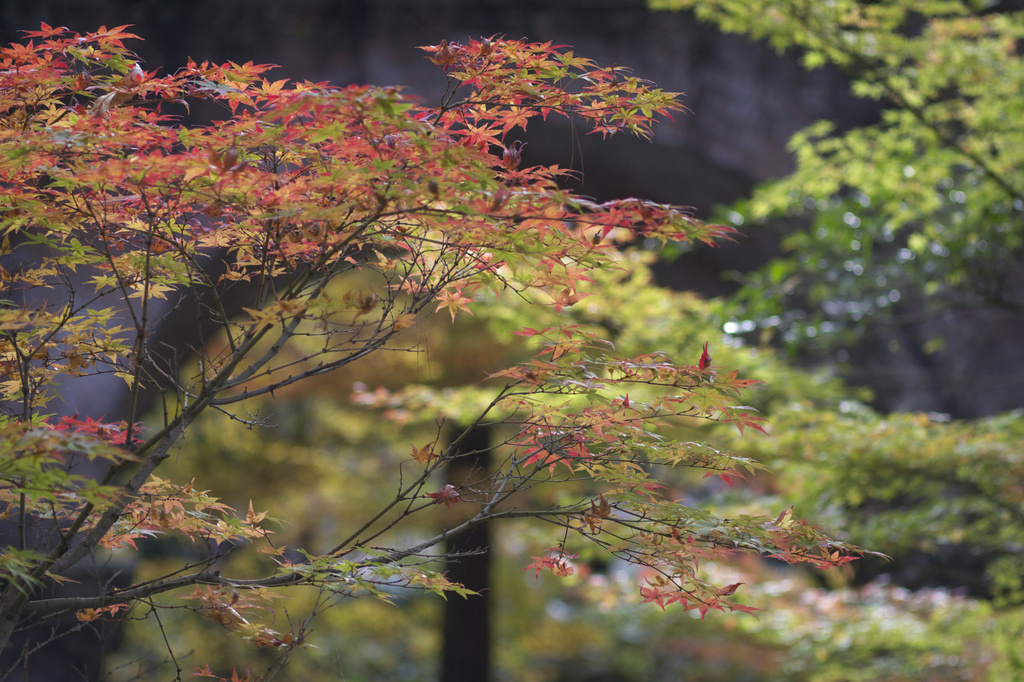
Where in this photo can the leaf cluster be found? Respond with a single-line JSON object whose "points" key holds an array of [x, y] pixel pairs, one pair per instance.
{"points": [[913, 215]]}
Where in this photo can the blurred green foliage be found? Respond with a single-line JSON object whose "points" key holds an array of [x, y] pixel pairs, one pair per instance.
{"points": [[919, 213], [894, 484]]}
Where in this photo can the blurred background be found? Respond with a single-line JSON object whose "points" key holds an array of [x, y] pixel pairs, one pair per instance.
{"points": [[925, 391]]}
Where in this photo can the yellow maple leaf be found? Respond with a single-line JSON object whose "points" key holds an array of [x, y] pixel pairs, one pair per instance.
{"points": [[251, 517], [424, 455]]}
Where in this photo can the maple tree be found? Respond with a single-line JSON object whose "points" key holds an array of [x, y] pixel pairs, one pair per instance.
{"points": [[307, 230]]}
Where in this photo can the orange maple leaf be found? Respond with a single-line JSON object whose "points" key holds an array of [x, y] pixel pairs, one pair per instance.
{"points": [[454, 300]]}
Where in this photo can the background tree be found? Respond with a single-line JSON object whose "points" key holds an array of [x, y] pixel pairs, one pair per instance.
{"points": [[909, 230], [903, 252], [307, 230]]}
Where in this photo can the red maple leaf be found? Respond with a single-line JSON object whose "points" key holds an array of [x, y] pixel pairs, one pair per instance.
{"points": [[447, 495], [705, 359]]}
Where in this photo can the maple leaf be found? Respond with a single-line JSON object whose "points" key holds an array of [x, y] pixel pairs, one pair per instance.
{"points": [[705, 359], [251, 517], [655, 594], [728, 589], [728, 475], [558, 562], [447, 495], [517, 117], [454, 300], [404, 321], [426, 454], [529, 331], [598, 513], [88, 615]]}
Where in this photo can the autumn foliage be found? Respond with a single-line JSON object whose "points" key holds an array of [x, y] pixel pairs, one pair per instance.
{"points": [[305, 229]]}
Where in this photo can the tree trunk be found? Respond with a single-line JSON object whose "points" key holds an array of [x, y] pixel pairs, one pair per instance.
{"points": [[466, 656]]}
